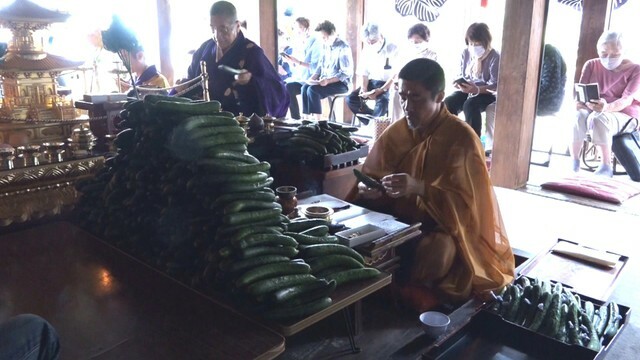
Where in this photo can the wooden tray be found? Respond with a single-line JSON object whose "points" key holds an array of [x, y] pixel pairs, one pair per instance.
{"points": [[583, 277], [488, 336]]}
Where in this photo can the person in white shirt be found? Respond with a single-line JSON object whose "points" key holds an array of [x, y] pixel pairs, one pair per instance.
{"points": [[377, 68]]}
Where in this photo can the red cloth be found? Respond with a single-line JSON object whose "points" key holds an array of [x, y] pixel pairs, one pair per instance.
{"points": [[595, 187]]}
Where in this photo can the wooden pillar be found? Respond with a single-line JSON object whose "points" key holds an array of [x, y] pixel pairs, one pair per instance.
{"points": [[596, 15], [355, 20], [522, 43], [164, 38], [269, 30]]}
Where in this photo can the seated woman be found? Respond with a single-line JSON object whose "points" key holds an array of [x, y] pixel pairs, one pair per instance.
{"points": [[619, 82], [418, 37], [479, 68]]}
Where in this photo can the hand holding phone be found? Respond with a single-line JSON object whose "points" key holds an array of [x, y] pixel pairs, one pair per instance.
{"points": [[461, 81]]}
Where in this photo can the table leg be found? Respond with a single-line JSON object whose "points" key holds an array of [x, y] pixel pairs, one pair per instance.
{"points": [[352, 341]]}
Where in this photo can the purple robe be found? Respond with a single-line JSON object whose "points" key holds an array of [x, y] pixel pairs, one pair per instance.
{"points": [[264, 94]]}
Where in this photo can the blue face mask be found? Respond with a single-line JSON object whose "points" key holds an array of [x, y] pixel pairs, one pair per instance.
{"points": [[611, 63]]}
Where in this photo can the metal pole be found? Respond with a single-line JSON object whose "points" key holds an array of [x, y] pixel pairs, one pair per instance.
{"points": [[205, 80]]}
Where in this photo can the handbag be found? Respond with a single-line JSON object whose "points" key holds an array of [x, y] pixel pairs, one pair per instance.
{"points": [[626, 147]]}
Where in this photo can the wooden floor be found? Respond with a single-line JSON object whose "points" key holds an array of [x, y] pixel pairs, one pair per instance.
{"points": [[534, 223]]}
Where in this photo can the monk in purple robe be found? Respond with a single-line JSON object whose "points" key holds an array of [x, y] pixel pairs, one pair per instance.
{"points": [[257, 88]]}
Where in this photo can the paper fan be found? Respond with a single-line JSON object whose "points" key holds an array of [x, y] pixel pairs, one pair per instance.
{"points": [[424, 10]]}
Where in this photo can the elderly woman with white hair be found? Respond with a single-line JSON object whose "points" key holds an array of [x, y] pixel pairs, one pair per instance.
{"points": [[619, 81]]}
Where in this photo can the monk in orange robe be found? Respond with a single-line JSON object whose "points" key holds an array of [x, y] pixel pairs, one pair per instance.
{"points": [[432, 166]]}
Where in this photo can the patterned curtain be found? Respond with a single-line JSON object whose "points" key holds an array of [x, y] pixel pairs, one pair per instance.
{"points": [[424, 10], [577, 4]]}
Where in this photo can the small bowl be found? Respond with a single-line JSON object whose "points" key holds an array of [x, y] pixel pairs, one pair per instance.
{"points": [[434, 323], [318, 212]]}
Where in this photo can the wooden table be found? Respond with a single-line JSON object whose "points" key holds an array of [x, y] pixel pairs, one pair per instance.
{"points": [[344, 296], [106, 305]]}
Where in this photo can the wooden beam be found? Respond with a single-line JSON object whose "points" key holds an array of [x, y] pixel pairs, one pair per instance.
{"points": [[269, 30], [164, 39], [355, 20], [596, 15], [522, 43]]}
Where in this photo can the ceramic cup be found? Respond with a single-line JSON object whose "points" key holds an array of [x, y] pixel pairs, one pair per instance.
{"points": [[434, 323]]}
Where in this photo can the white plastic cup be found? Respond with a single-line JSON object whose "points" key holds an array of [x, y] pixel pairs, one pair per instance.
{"points": [[434, 323]]}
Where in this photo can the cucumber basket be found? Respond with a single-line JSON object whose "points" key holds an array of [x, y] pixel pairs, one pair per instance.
{"points": [[537, 319]]}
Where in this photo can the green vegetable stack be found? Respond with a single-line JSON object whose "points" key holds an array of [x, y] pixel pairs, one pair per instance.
{"points": [[145, 200], [328, 259], [183, 195], [557, 312], [315, 139]]}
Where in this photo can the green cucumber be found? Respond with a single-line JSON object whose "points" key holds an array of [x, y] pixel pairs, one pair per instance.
{"points": [[368, 181], [246, 186], [516, 295], [267, 250], [266, 239], [312, 240], [261, 195], [240, 265], [244, 232], [327, 249], [351, 275], [525, 304], [574, 325], [613, 323], [246, 217], [243, 205], [283, 313], [589, 309], [224, 231], [214, 130], [298, 226], [551, 323], [152, 99], [324, 262], [191, 108], [308, 292], [541, 311], [551, 313], [213, 179], [221, 139], [320, 230], [269, 271], [234, 166], [262, 287], [594, 341], [214, 153], [196, 123], [604, 319], [561, 333]]}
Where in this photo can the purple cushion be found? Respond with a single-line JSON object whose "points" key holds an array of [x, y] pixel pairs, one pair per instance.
{"points": [[595, 187]]}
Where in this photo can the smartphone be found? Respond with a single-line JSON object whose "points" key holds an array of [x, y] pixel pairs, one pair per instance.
{"points": [[461, 80], [229, 69]]}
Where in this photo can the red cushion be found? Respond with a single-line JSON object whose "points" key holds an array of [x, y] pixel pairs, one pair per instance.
{"points": [[595, 187]]}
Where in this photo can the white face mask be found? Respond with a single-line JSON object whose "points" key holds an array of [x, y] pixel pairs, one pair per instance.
{"points": [[476, 51], [611, 63], [420, 47]]}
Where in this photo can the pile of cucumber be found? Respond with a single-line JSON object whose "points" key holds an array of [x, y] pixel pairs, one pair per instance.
{"points": [[314, 139], [327, 258], [183, 195], [557, 312], [145, 200]]}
